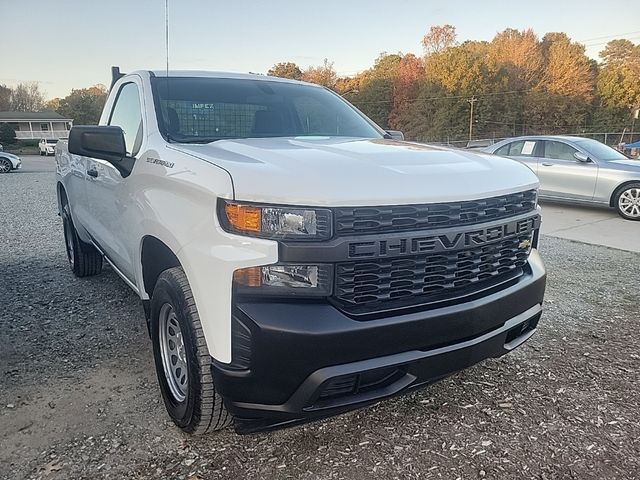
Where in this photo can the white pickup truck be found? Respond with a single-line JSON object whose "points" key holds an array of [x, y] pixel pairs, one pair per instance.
{"points": [[295, 260]]}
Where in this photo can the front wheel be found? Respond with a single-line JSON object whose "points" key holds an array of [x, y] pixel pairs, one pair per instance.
{"points": [[5, 165], [627, 201], [183, 362]]}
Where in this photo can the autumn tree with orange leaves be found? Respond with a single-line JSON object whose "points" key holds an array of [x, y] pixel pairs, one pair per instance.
{"points": [[523, 84]]}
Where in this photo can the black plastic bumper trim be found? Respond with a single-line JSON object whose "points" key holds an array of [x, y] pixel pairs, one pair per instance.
{"points": [[298, 400], [298, 347]]}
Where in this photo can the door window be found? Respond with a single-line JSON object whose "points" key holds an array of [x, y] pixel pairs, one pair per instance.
{"points": [[520, 148], [559, 151], [127, 114]]}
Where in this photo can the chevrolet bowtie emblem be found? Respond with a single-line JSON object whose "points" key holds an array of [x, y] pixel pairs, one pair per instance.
{"points": [[524, 244]]}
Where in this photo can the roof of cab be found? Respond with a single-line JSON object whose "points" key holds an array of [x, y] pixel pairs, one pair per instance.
{"points": [[232, 75]]}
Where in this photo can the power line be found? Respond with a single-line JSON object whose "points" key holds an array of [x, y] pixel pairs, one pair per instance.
{"points": [[608, 36], [604, 43], [447, 97]]}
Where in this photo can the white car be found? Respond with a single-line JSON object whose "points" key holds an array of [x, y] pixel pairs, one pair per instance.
{"points": [[47, 146], [294, 260], [9, 161]]}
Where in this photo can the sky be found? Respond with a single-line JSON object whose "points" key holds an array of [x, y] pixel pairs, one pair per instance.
{"points": [[73, 43]]}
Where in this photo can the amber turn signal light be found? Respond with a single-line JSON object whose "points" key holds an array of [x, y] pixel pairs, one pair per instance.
{"points": [[243, 218], [248, 277]]}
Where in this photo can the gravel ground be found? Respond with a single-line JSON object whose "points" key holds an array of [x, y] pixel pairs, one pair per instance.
{"points": [[79, 399]]}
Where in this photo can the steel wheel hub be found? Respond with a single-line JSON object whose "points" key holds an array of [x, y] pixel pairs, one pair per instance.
{"points": [[629, 202], [172, 351]]}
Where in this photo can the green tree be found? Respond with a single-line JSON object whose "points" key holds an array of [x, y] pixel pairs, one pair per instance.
{"points": [[7, 134], [620, 51], [84, 105], [375, 100], [286, 70], [385, 66], [618, 82]]}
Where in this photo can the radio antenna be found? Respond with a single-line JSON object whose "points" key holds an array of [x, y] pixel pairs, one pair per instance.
{"points": [[166, 43], [166, 34]]}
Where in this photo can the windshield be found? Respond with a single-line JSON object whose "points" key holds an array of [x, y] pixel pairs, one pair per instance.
{"points": [[52, 141], [207, 109], [600, 151]]}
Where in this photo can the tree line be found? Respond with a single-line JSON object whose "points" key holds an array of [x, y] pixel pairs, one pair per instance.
{"points": [[518, 83]]}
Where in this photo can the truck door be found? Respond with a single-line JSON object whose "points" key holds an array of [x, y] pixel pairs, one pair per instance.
{"points": [[107, 191]]}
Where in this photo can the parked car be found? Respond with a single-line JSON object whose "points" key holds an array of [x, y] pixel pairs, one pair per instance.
{"points": [[479, 144], [294, 260], [47, 146], [9, 161], [579, 170]]}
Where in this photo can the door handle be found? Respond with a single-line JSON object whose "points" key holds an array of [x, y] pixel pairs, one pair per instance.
{"points": [[92, 172], [547, 164]]}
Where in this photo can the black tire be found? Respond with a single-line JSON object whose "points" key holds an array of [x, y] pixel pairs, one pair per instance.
{"points": [[84, 259], [5, 165], [201, 409], [628, 211]]}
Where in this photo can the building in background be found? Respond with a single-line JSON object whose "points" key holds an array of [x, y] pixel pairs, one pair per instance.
{"points": [[37, 125]]}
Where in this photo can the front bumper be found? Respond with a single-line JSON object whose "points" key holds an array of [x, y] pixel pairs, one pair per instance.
{"points": [[309, 360]]}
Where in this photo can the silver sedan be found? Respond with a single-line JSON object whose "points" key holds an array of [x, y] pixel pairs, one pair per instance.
{"points": [[9, 162], [577, 169]]}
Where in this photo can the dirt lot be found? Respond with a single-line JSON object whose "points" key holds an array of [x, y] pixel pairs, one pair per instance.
{"points": [[78, 396]]}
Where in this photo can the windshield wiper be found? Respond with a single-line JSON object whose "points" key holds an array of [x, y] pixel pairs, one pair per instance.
{"points": [[173, 139], [201, 140]]}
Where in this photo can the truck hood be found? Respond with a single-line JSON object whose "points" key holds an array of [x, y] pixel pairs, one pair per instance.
{"points": [[326, 171]]}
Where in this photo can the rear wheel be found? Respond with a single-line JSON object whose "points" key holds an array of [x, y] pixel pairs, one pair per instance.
{"points": [[84, 259], [5, 165], [183, 362], [627, 201]]}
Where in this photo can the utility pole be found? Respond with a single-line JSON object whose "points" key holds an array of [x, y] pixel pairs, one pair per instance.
{"points": [[634, 117], [471, 101]]}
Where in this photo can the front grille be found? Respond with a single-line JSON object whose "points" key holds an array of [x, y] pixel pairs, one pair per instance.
{"points": [[397, 218], [384, 283]]}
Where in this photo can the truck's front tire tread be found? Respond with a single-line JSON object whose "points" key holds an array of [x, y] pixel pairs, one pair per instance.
{"points": [[203, 410]]}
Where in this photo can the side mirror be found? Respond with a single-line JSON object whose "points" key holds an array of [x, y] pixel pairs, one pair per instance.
{"points": [[103, 142], [395, 134], [581, 157]]}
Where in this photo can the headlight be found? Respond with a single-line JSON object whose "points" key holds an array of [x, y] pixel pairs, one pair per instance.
{"points": [[275, 222], [284, 279]]}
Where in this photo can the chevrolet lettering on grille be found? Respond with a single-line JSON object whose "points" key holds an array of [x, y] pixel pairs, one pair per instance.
{"points": [[411, 245]]}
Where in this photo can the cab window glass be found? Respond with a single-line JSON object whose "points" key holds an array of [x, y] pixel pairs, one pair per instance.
{"points": [[559, 151], [127, 115]]}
